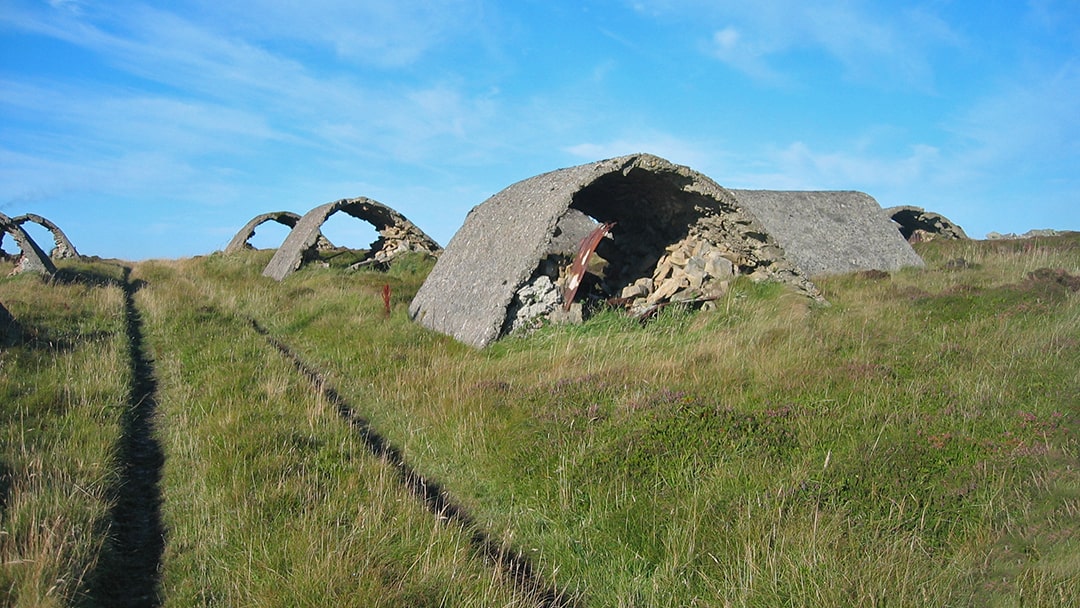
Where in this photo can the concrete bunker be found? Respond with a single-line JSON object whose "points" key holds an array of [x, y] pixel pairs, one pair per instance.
{"points": [[671, 235], [397, 235], [240, 240], [917, 224], [31, 257], [830, 232], [63, 249]]}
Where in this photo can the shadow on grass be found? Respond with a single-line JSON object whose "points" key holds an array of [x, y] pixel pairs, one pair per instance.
{"points": [[127, 573], [435, 498]]}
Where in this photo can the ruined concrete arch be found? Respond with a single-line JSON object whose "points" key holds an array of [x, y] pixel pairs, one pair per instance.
{"points": [[917, 224], [286, 218], [396, 235], [656, 207], [672, 235], [63, 248], [32, 258]]}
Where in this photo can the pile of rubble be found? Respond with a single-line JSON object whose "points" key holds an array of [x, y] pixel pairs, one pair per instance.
{"points": [[918, 225], [1030, 234], [395, 240], [695, 270]]}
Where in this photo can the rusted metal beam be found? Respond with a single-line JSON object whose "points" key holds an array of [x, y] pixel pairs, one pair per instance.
{"points": [[581, 261]]}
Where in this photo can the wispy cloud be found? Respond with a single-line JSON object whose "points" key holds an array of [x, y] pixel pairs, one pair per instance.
{"points": [[800, 166], [224, 88], [371, 33], [762, 39], [1034, 120]]}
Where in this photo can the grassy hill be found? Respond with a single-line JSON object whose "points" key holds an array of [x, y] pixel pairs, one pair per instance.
{"points": [[187, 432]]}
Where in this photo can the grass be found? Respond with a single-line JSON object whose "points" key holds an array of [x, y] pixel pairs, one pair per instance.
{"points": [[63, 388], [914, 443]]}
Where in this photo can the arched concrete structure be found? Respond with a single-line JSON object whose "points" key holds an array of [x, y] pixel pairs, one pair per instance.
{"points": [[33, 259], [830, 232], [664, 215], [63, 249], [676, 236], [287, 218], [396, 235], [917, 224]]}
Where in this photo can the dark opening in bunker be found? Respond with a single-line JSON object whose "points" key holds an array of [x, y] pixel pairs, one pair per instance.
{"points": [[655, 250], [650, 212]]}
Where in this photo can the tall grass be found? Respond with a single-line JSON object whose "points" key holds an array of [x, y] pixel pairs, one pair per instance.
{"points": [[878, 450], [913, 443], [269, 497], [63, 388]]}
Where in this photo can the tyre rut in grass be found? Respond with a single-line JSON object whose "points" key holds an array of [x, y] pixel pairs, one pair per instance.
{"points": [[437, 500]]}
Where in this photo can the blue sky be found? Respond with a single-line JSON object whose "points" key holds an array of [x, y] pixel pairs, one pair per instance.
{"points": [[157, 129]]}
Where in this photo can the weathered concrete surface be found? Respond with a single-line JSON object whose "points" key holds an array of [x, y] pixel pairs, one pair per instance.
{"points": [[656, 205], [396, 235], [917, 224], [33, 259], [241, 238], [63, 248], [287, 218], [830, 232]]}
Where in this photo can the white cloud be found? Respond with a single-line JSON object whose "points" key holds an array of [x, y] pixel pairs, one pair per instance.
{"points": [[1033, 120], [374, 33], [74, 6], [727, 38], [743, 54], [887, 46], [800, 166], [268, 94]]}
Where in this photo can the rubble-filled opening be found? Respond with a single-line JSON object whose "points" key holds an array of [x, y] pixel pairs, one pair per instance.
{"points": [[655, 250], [917, 224]]}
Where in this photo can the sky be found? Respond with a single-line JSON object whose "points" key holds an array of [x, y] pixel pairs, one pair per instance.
{"points": [[158, 129]]}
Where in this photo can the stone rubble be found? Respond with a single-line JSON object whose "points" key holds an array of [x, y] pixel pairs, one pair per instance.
{"points": [[697, 269], [919, 225], [1045, 232]]}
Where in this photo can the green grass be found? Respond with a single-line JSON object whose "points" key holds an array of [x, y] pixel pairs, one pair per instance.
{"points": [[63, 388], [914, 443]]}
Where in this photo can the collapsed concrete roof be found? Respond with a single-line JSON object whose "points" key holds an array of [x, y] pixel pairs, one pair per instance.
{"points": [[63, 248], [917, 224], [830, 232], [287, 218], [396, 235], [664, 214], [33, 259]]}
